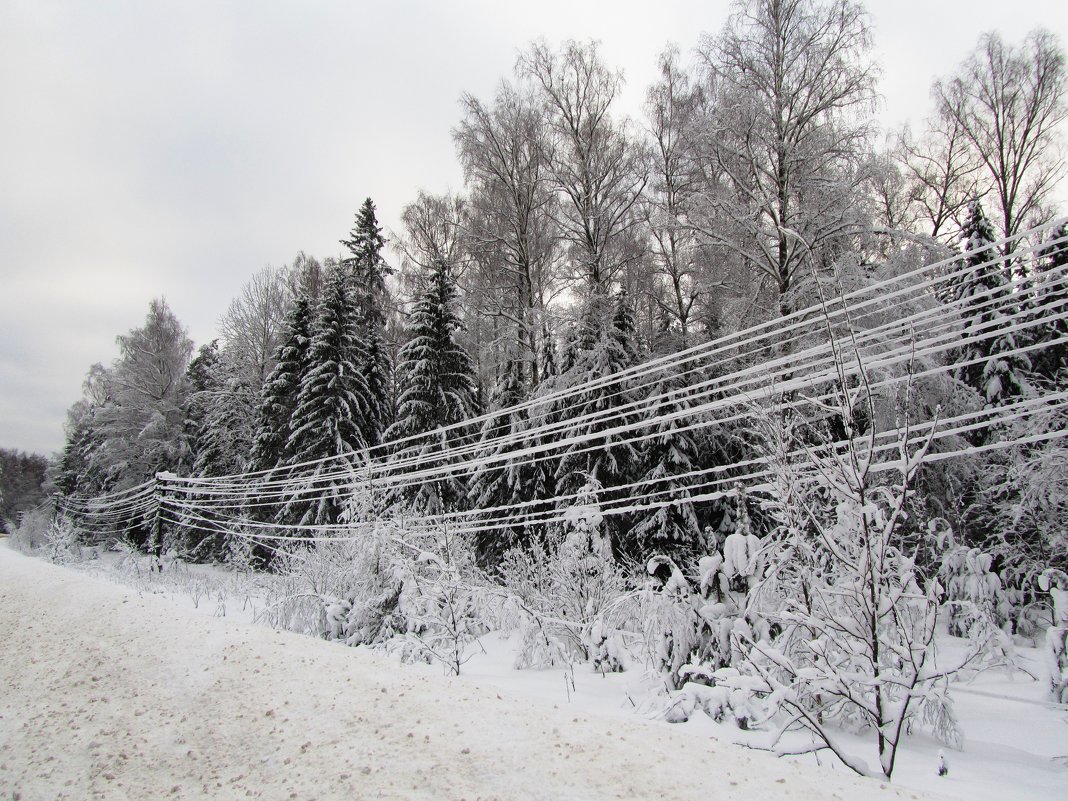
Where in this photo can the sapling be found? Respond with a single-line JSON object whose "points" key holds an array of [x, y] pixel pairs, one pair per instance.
{"points": [[854, 619], [440, 602]]}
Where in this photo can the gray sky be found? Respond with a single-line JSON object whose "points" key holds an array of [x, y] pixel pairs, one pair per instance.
{"points": [[174, 148]]}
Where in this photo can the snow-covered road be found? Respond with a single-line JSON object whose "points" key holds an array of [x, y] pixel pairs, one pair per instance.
{"points": [[107, 695]]}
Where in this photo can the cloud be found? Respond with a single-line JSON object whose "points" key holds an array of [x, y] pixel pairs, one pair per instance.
{"points": [[174, 148]]}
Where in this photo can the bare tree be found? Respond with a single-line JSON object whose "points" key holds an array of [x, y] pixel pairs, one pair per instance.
{"points": [[943, 174], [673, 106], [437, 231], [594, 164], [304, 276], [889, 192], [790, 82], [1007, 103], [511, 227], [434, 226], [252, 325]]}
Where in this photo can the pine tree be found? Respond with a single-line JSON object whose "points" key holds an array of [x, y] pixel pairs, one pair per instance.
{"points": [[332, 400], [279, 397], [369, 272], [436, 387]]}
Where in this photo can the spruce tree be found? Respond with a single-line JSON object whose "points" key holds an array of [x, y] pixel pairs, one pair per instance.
{"points": [[222, 446], [203, 383], [332, 400], [667, 459], [548, 355], [369, 272], [279, 396], [436, 388], [1051, 362], [216, 429], [377, 370], [987, 306], [605, 345], [76, 473], [368, 268], [501, 483], [489, 482]]}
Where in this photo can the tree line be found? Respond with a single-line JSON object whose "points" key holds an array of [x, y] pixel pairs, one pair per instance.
{"points": [[584, 243], [22, 480]]}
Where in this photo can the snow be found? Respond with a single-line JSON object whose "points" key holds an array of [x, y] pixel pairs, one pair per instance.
{"points": [[112, 693]]}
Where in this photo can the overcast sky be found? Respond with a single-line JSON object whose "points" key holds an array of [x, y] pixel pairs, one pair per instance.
{"points": [[157, 148]]}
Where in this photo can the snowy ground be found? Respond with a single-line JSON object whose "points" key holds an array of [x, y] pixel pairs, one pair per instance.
{"points": [[111, 693]]}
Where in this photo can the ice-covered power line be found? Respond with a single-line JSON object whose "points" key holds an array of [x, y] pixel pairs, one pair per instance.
{"points": [[897, 329], [926, 320], [940, 335], [701, 405], [872, 298], [721, 482]]}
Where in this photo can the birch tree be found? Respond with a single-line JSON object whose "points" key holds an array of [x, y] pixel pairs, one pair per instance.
{"points": [[1007, 103], [140, 424], [592, 158], [791, 87], [511, 227], [943, 175], [673, 108], [253, 325]]}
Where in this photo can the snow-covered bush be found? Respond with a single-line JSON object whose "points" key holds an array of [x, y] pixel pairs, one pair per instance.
{"points": [[1024, 602], [373, 587], [686, 629], [240, 552], [440, 603], [1024, 496], [853, 622], [62, 541], [974, 596], [31, 533], [526, 577], [743, 561], [588, 584], [1056, 583], [673, 634], [567, 593], [721, 702], [345, 589], [856, 637]]}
